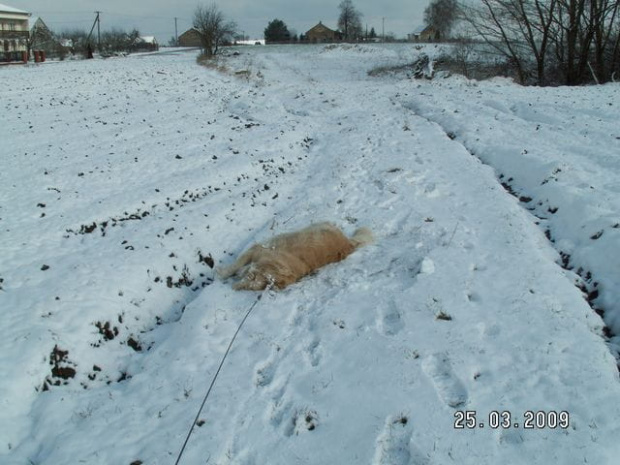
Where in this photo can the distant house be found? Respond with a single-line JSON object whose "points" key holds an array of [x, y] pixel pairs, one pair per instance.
{"points": [[14, 34], [146, 44], [321, 33], [42, 38], [190, 38], [425, 34]]}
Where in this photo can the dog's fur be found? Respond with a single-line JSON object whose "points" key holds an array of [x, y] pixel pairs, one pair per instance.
{"points": [[287, 258]]}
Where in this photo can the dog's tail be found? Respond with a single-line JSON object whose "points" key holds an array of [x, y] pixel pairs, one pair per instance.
{"points": [[361, 237]]}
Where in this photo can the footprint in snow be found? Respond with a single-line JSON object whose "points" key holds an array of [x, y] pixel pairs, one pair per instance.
{"points": [[473, 296], [313, 351], [302, 321], [264, 373], [303, 420], [394, 446], [390, 321], [449, 388], [297, 317], [489, 330], [280, 417], [279, 406], [510, 436], [430, 190]]}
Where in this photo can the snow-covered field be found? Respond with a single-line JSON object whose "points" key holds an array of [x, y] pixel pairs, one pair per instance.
{"points": [[124, 181]]}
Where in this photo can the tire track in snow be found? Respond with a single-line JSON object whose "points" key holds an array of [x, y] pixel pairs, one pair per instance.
{"points": [[584, 280]]}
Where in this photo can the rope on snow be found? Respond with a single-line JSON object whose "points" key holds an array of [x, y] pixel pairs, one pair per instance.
{"points": [[204, 401]]}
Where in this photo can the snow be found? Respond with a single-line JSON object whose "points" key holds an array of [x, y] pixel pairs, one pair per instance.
{"points": [[560, 148], [148, 39], [124, 180], [10, 9]]}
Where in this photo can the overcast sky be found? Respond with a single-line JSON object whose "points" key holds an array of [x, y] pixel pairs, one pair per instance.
{"points": [[156, 17]]}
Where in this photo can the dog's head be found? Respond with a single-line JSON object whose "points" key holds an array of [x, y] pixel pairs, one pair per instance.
{"points": [[268, 271]]}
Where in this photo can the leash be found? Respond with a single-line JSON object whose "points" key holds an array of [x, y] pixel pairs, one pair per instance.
{"points": [[204, 401]]}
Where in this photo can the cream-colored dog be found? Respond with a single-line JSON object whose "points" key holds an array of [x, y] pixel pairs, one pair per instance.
{"points": [[287, 258]]}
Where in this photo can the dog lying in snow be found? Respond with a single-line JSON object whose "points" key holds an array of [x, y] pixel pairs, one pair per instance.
{"points": [[287, 258]]}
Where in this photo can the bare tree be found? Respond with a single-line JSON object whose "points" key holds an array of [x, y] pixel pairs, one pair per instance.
{"points": [[570, 41], [350, 20], [213, 28], [586, 33], [117, 40], [74, 39], [462, 51], [613, 54], [441, 14], [520, 30]]}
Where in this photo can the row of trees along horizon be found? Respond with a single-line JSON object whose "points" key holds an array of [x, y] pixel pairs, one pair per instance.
{"points": [[76, 41], [214, 28], [541, 42], [277, 32], [349, 26]]}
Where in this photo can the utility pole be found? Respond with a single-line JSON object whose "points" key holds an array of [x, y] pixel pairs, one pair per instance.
{"points": [[176, 33], [383, 28], [98, 30], [90, 34]]}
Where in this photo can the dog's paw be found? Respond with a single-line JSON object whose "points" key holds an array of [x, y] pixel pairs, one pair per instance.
{"points": [[225, 272], [221, 272]]}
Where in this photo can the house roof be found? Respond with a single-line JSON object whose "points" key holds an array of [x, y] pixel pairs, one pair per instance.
{"points": [[32, 21], [10, 9], [192, 30], [320, 27], [148, 39]]}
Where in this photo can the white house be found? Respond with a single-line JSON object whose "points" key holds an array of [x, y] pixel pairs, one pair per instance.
{"points": [[42, 38], [14, 33], [146, 44]]}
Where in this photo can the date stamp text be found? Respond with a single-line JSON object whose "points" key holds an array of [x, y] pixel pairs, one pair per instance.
{"points": [[541, 419]]}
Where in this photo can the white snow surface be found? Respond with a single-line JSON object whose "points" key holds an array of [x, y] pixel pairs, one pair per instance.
{"points": [[122, 178]]}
